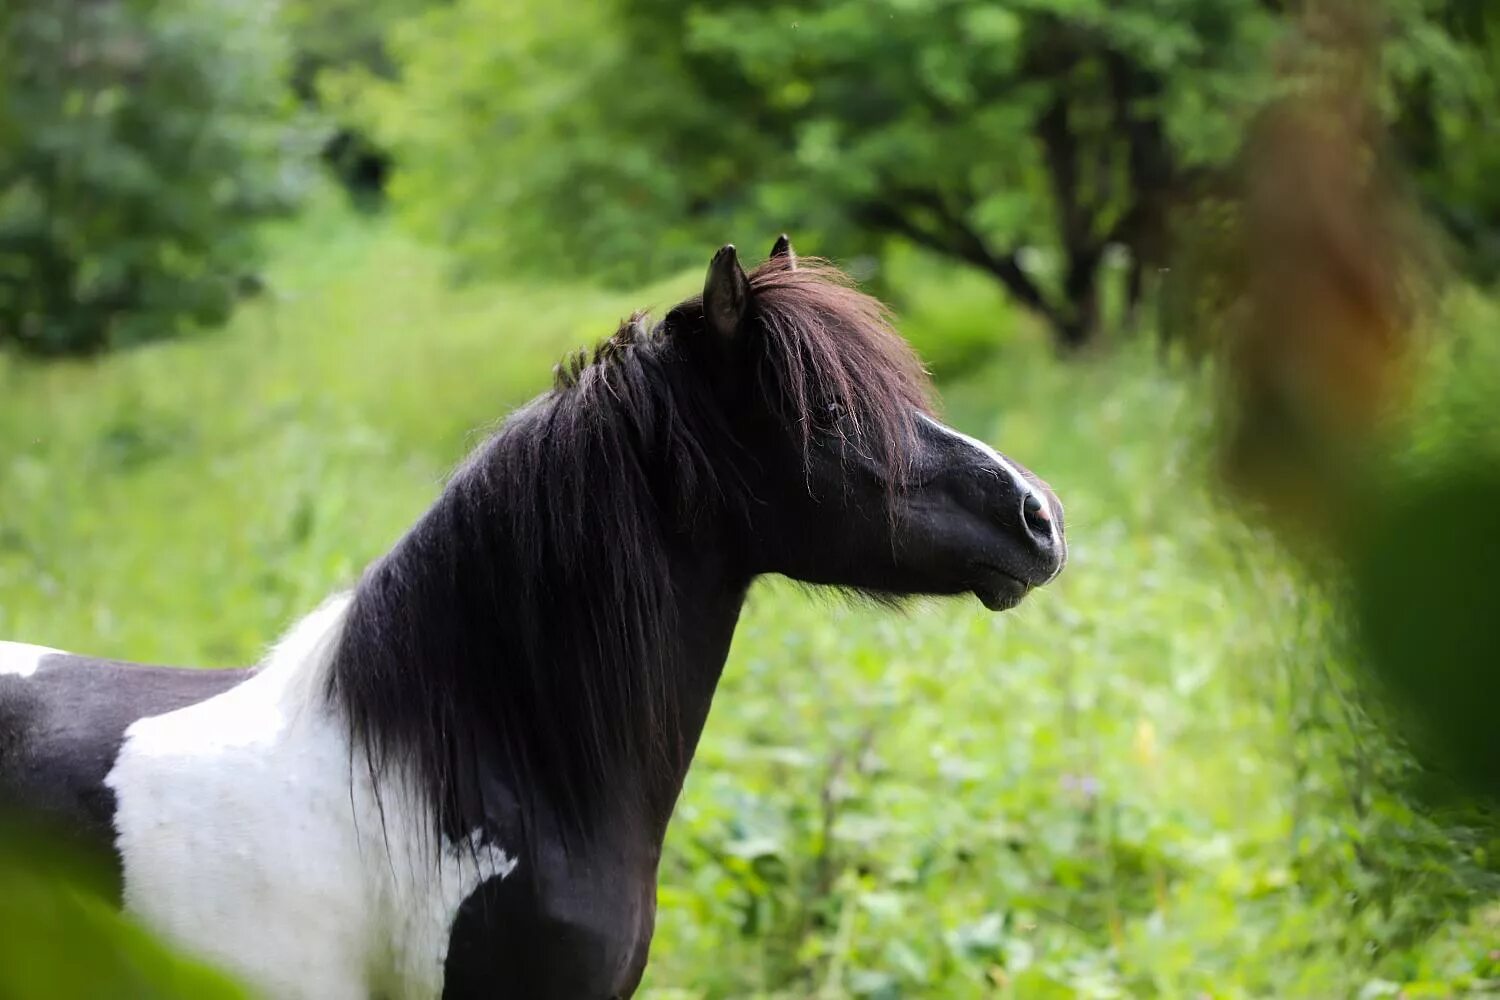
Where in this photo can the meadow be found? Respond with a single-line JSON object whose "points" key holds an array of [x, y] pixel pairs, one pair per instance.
{"points": [[1151, 779]]}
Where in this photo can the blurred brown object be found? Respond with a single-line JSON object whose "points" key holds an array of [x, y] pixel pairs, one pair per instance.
{"points": [[1313, 273], [1326, 270]]}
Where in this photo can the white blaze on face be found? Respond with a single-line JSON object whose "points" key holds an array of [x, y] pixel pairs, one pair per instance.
{"points": [[1023, 486], [20, 659]]}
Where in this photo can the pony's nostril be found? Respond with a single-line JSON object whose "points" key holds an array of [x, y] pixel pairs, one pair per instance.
{"points": [[1038, 517]]}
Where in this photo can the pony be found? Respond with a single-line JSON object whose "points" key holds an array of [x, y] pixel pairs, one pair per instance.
{"points": [[456, 779]]}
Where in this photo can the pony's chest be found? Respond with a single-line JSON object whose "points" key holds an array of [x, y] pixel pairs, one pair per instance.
{"points": [[247, 838], [570, 928]]}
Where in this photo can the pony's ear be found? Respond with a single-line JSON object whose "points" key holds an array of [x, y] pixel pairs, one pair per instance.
{"points": [[726, 293], [782, 251]]}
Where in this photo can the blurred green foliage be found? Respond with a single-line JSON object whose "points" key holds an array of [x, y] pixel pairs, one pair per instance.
{"points": [[345, 35], [1155, 778], [1031, 141], [1425, 537], [1422, 577], [1443, 84], [137, 140], [327, 34]]}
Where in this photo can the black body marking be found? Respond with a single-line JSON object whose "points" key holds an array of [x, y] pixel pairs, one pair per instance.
{"points": [[61, 730]]}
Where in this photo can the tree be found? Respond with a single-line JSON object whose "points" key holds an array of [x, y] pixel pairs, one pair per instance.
{"points": [[1022, 138], [138, 142], [1019, 138]]}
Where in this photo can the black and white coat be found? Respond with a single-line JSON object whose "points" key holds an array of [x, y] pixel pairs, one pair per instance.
{"points": [[243, 833]]}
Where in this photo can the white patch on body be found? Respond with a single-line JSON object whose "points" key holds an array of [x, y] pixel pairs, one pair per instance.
{"points": [[20, 659], [1021, 482], [247, 838]]}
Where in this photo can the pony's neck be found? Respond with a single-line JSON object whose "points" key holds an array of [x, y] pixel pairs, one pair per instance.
{"points": [[545, 636], [710, 599]]}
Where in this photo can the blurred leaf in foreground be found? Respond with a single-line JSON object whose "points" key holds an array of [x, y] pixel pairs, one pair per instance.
{"points": [[1326, 288], [1423, 575]]}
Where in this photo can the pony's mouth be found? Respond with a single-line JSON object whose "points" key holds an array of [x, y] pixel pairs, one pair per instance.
{"points": [[999, 590]]}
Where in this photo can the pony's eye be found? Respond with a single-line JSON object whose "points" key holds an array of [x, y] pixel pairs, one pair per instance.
{"points": [[829, 413]]}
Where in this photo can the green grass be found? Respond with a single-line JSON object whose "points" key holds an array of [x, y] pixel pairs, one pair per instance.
{"points": [[1140, 783]]}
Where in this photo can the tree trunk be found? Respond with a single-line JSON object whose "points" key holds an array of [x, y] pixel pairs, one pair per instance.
{"points": [[1081, 298]]}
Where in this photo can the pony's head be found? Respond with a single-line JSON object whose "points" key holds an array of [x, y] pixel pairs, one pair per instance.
{"points": [[846, 477]]}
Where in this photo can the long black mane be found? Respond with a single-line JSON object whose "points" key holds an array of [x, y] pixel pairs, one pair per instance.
{"points": [[526, 622]]}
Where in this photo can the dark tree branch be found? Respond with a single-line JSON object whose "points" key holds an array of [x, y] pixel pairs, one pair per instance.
{"points": [[1082, 247], [953, 237], [1060, 150], [1151, 168], [1056, 50], [1150, 172]]}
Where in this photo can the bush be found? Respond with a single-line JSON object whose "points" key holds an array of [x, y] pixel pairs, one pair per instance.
{"points": [[137, 141]]}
